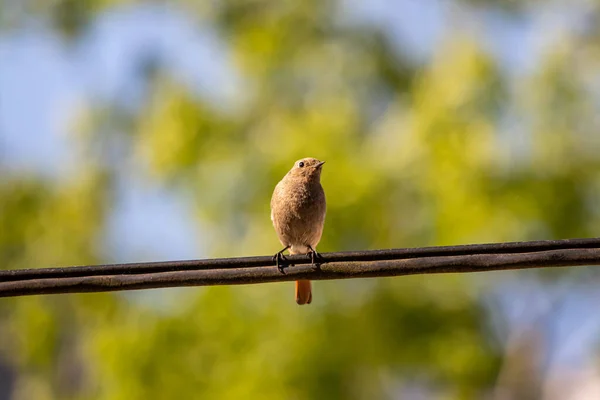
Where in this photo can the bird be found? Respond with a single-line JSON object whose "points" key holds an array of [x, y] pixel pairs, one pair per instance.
{"points": [[298, 210]]}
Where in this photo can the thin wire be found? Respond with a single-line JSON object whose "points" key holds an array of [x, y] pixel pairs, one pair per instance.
{"points": [[456, 259], [265, 261]]}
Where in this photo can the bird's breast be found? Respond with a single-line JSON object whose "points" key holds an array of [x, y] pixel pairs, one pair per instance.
{"points": [[298, 212]]}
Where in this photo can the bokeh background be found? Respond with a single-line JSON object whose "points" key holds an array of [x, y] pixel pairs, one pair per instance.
{"points": [[145, 131]]}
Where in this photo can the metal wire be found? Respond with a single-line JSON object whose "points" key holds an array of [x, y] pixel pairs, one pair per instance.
{"points": [[342, 265]]}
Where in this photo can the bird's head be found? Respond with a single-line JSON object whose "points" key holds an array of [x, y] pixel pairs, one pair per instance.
{"points": [[307, 168]]}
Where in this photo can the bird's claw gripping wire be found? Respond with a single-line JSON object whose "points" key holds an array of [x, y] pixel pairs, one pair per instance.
{"points": [[312, 253], [278, 258]]}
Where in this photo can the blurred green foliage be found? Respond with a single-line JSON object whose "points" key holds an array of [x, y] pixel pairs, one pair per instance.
{"points": [[415, 156]]}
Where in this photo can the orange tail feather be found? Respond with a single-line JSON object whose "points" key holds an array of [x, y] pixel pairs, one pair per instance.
{"points": [[303, 292]]}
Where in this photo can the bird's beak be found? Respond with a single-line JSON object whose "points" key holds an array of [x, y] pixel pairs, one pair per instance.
{"points": [[320, 164]]}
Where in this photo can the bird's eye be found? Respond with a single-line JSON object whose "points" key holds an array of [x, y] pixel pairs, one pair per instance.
{"points": [[301, 164]]}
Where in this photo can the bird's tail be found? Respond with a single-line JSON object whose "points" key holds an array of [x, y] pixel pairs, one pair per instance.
{"points": [[303, 287], [303, 292]]}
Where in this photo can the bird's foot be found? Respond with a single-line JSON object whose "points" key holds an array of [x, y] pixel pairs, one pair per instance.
{"points": [[314, 256], [280, 259]]}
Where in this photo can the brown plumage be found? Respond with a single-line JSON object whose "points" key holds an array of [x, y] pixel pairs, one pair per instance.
{"points": [[298, 214]]}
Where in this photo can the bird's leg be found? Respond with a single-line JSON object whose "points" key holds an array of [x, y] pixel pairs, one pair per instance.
{"points": [[314, 256], [280, 257]]}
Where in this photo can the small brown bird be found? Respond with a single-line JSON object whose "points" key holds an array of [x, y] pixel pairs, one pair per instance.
{"points": [[298, 213]]}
